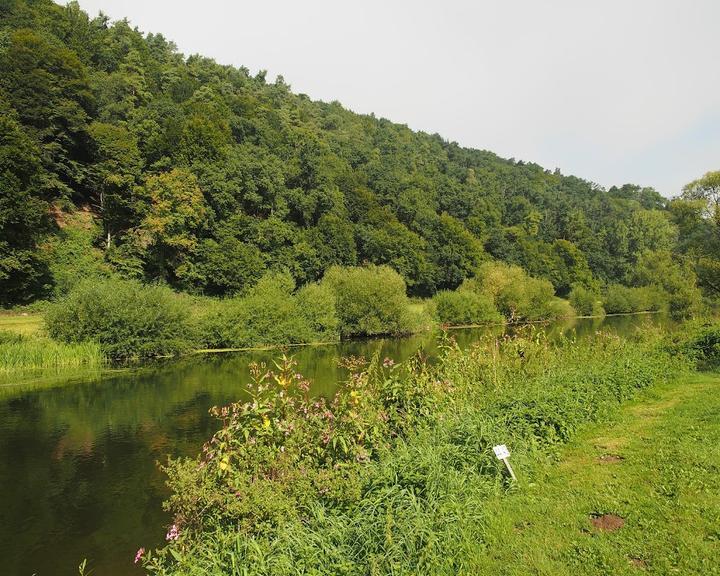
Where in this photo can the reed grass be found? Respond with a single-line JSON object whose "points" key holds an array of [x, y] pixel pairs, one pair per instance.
{"points": [[27, 354]]}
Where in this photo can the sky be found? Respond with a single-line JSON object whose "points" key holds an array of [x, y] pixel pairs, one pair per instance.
{"points": [[613, 91]]}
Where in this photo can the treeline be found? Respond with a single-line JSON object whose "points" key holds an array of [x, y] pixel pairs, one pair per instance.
{"points": [[207, 178]]}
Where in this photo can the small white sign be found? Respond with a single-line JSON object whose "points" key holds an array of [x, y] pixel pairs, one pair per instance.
{"points": [[501, 451]]}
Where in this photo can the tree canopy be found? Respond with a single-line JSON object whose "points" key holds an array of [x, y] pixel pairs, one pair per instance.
{"points": [[206, 177]]}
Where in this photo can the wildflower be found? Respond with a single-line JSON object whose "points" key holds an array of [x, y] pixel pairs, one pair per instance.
{"points": [[173, 533], [139, 555], [388, 362]]}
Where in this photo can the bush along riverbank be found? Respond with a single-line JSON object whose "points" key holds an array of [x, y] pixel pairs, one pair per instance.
{"points": [[391, 474], [127, 319]]}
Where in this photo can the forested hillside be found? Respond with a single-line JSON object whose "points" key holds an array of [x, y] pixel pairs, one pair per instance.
{"points": [[120, 156]]}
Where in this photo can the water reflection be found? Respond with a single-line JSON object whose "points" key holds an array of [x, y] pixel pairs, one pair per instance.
{"points": [[79, 475]]}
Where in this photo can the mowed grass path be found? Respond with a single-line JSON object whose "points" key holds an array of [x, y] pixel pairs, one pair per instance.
{"points": [[26, 325], [666, 488]]}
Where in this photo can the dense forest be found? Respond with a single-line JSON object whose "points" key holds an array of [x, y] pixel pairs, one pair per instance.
{"points": [[119, 156]]}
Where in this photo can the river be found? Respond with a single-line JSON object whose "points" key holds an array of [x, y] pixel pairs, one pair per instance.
{"points": [[78, 452]]}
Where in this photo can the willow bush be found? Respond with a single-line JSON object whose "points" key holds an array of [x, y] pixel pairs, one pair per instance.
{"points": [[126, 318]]}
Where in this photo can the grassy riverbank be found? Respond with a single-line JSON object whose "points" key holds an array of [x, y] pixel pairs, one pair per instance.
{"points": [[22, 324], [396, 473], [654, 466], [24, 349]]}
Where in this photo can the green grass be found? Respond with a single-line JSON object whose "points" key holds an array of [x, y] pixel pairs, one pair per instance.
{"points": [[33, 353], [424, 500], [24, 349], [26, 325], [666, 489]]}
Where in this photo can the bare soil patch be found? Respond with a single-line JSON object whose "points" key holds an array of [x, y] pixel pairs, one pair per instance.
{"points": [[607, 522], [610, 458]]}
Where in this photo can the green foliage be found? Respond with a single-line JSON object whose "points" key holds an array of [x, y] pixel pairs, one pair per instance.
{"points": [[227, 265], [701, 343], [316, 304], [706, 190], [204, 177], [71, 255], [175, 211], [22, 354], [516, 295], [464, 307], [127, 319], [370, 301], [660, 270], [271, 313], [626, 300], [391, 473], [585, 301], [23, 215]]}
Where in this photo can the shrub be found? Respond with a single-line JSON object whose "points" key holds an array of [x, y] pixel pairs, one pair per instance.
{"points": [[464, 307], [370, 300], [585, 301], [702, 344], [515, 294], [316, 304], [627, 300], [270, 313], [128, 319]]}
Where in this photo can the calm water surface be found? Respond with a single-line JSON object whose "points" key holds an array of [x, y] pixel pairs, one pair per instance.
{"points": [[78, 455]]}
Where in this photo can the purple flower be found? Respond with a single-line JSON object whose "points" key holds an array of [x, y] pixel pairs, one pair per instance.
{"points": [[173, 533], [139, 555]]}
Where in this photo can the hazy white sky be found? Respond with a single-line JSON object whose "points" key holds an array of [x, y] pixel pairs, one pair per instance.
{"points": [[613, 91]]}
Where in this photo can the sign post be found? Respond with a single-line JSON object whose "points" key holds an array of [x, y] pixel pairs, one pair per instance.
{"points": [[502, 453]]}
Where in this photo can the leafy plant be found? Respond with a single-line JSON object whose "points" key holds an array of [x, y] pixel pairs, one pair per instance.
{"points": [[126, 318]]}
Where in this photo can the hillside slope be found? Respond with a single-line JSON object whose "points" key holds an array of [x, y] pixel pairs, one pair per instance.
{"points": [[205, 177]]}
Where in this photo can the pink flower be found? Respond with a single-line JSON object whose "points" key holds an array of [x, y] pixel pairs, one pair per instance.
{"points": [[388, 362], [139, 555], [173, 533]]}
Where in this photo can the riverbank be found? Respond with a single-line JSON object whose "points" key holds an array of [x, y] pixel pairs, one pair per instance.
{"points": [[394, 474], [636, 493], [42, 354]]}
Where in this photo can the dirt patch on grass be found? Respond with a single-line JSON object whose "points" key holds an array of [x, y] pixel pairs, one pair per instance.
{"points": [[607, 522], [638, 563], [610, 459]]}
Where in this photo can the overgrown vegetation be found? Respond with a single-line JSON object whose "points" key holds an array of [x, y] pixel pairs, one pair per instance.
{"points": [[370, 301], [390, 475], [129, 319], [126, 318], [120, 156], [465, 307], [270, 313], [26, 353]]}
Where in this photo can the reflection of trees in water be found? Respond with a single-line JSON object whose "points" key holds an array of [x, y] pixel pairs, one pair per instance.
{"points": [[83, 455]]}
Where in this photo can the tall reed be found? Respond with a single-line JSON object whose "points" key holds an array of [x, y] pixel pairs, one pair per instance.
{"points": [[27, 354]]}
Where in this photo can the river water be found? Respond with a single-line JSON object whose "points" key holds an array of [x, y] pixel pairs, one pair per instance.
{"points": [[78, 452]]}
